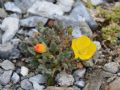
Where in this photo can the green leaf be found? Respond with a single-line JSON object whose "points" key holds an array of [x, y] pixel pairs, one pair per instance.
{"points": [[31, 51]]}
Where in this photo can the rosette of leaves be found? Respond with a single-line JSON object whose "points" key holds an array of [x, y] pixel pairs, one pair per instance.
{"points": [[59, 55]]}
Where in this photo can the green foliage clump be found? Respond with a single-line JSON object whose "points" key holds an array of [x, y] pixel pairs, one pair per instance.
{"points": [[59, 55], [110, 14], [111, 25], [110, 33]]}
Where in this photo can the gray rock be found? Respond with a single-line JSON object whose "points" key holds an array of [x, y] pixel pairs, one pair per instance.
{"points": [[76, 32], [98, 45], [1, 71], [66, 5], [32, 21], [38, 79], [15, 78], [64, 79], [25, 84], [80, 10], [76, 88], [84, 27], [7, 65], [10, 6], [97, 2], [5, 77], [112, 67], [32, 32], [51, 1], [3, 13], [36, 86], [24, 4], [15, 54], [24, 71], [0, 36], [80, 83], [10, 25], [79, 74], [45, 9], [6, 50]]}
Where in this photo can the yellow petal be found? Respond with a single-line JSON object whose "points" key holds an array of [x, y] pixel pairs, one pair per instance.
{"points": [[83, 48]]}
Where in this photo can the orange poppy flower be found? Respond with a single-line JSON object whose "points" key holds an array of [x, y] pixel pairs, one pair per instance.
{"points": [[40, 48]]}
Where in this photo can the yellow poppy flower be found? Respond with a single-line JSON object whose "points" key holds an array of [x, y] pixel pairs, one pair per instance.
{"points": [[83, 47]]}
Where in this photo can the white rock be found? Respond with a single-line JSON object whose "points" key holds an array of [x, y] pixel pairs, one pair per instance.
{"points": [[97, 2], [79, 73], [24, 71], [26, 85], [66, 5], [80, 83], [76, 33], [111, 67], [32, 21], [7, 65], [10, 25], [15, 78], [5, 77], [64, 79], [38, 79], [98, 45], [5, 50], [45, 9], [24, 4], [80, 10], [36, 86], [3, 13], [32, 32], [10, 6]]}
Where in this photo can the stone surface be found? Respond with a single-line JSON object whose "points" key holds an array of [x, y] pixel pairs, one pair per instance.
{"points": [[76, 33], [97, 2], [7, 65], [6, 50], [98, 45], [24, 71], [38, 79], [36, 86], [25, 84], [66, 5], [59, 88], [79, 74], [64, 79], [95, 79], [80, 83], [10, 6], [32, 21], [114, 85], [33, 32], [24, 4], [80, 10], [10, 25], [15, 78], [45, 9], [5, 77], [111, 67], [3, 13]]}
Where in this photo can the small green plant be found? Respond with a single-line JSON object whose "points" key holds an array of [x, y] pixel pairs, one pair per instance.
{"points": [[110, 32], [110, 14], [110, 27], [58, 55]]}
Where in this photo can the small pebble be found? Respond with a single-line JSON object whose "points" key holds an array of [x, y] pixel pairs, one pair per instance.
{"points": [[24, 71]]}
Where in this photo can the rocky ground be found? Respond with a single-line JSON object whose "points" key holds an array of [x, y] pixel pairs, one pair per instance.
{"points": [[21, 17]]}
